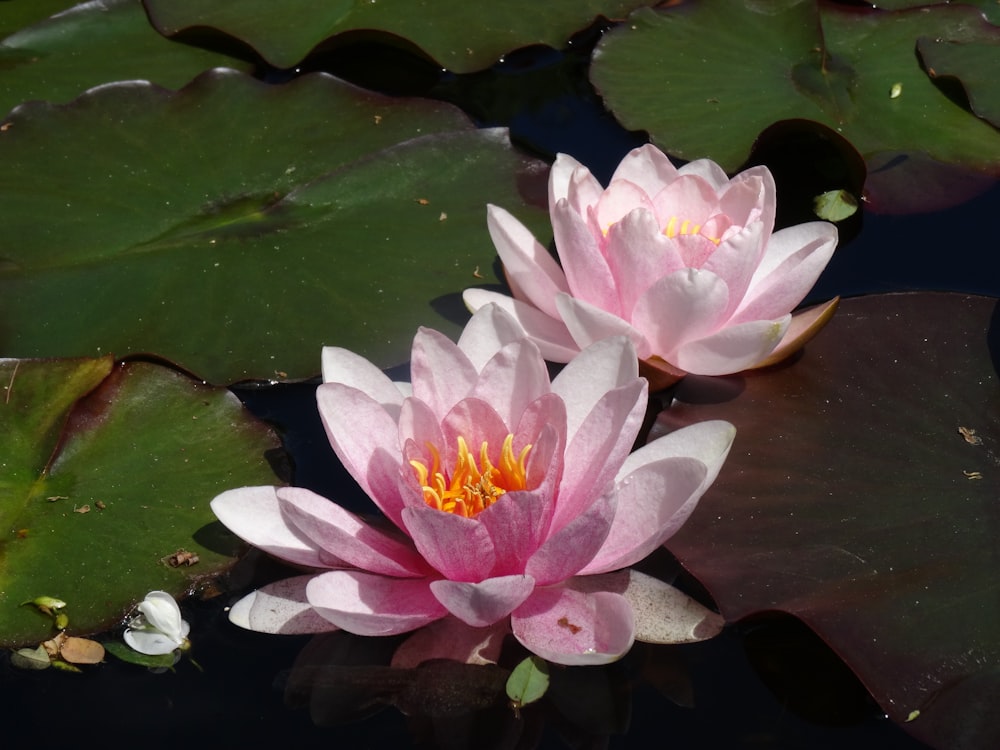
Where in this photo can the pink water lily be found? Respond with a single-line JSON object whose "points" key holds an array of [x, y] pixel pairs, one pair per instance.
{"points": [[683, 262], [514, 503]]}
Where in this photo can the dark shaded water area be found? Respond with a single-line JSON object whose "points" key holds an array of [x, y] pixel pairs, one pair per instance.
{"points": [[766, 683]]}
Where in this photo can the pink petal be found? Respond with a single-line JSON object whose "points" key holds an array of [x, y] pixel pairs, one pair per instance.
{"points": [[662, 613], [340, 532], [597, 450], [586, 269], [547, 440], [735, 261], [688, 198], [459, 548], [570, 548], [368, 604], [526, 261], [441, 373], [489, 331], [619, 200], [707, 441], [572, 181], [347, 368], [684, 306], [574, 628], [804, 326], [450, 638], [603, 366], [795, 258], [653, 502], [638, 254], [515, 377], [750, 196], [647, 167], [477, 422], [588, 324], [732, 349], [484, 603], [253, 514], [550, 335], [418, 428], [342, 409], [280, 607], [517, 524], [707, 170]]}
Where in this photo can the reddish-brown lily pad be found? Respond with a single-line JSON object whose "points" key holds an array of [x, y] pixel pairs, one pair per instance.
{"points": [[863, 496]]}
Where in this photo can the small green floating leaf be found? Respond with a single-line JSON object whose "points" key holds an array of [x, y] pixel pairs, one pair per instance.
{"points": [[528, 682], [31, 658], [835, 205]]}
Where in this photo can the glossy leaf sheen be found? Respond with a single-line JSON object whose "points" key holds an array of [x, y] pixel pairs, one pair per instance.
{"points": [[60, 58], [706, 78], [107, 469], [461, 35], [236, 227], [861, 496]]}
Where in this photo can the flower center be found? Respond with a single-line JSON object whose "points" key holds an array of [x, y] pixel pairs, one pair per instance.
{"points": [[675, 227], [469, 489]]}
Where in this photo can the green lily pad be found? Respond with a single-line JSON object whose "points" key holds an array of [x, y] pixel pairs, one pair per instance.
{"points": [[58, 59], [107, 471], [975, 64], [705, 78], [236, 227], [861, 496], [461, 35], [16, 14]]}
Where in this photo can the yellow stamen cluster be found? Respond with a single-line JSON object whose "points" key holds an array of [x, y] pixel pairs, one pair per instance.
{"points": [[470, 489], [686, 227]]}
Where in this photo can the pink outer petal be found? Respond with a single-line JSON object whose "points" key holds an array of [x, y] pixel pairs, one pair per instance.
{"points": [[489, 331], [647, 167], [653, 502], [588, 324], [732, 349], [550, 335], [450, 638], [597, 450], [340, 532], [684, 306], [484, 603], [368, 604], [254, 515], [735, 261], [601, 367], [459, 548], [568, 550], [441, 373], [804, 326], [515, 377], [586, 269], [708, 441], [571, 180], [280, 607], [575, 628], [795, 258], [751, 196], [346, 367], [342, 409], [528, 265]]}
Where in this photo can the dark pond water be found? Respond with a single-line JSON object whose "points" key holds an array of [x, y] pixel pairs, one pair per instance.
{"points": [[762, 684]]}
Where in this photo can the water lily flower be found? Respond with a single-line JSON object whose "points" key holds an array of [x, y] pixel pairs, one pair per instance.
{"points": [[683, 262], [513, 502], [158, 628]]}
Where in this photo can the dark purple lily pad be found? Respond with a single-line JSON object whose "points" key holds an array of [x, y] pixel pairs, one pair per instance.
{"points": [[862, 496]]}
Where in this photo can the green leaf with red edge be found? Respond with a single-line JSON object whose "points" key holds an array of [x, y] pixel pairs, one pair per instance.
{"points": [[235, 227], [861, 496], [107, 470], [60, 58], [461, 35], [704, 79]]}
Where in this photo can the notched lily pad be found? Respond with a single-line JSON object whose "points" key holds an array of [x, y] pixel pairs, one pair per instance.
{"points": [[861, 496], [461, 35], [108, 467], [693, 77], [236, 227]]}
